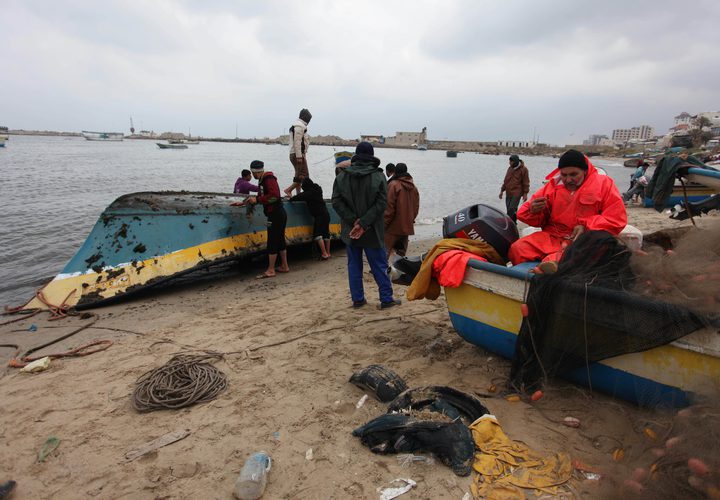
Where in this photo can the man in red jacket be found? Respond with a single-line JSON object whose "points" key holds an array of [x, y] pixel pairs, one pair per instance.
{"points": [[269, 197], [575, 199]]}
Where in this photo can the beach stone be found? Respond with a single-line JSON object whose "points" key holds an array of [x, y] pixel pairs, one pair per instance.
{"points": [[183, 471]]}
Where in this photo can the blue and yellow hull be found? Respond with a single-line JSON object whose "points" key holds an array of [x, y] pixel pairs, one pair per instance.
{"points": [[144, 239], [485, 311]]}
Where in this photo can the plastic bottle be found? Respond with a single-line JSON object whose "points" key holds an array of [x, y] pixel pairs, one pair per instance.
{"points": [[250, 484]]}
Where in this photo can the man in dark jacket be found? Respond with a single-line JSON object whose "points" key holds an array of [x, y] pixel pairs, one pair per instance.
{"points": [[312, 194], [403, 204], [359, 198], [516, 184]]}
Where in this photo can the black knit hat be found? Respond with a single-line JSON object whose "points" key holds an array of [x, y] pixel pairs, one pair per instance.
{"points": [[257, 166], [573, 158], [515, 158], [305, 115], [365, 148]]}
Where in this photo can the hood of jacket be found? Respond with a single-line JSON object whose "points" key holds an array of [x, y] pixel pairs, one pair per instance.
{"points": [[404, 181], [362, 164], [555, 178]]}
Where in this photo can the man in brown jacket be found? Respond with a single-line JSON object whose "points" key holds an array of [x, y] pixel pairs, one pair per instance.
{"points": [[516, 184], [403, 204]]}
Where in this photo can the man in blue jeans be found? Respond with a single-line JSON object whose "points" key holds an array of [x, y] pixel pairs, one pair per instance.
{"points": [[359, 198]]}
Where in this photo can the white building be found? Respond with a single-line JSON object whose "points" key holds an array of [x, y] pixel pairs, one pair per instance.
{"points": [[517, 144], [640, 133], [683, 118]]}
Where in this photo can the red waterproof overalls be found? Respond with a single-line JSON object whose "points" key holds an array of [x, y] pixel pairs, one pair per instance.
{"points": [[596, 205]]}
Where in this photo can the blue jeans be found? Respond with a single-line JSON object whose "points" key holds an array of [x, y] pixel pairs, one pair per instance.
{"points": [[377, 258]]}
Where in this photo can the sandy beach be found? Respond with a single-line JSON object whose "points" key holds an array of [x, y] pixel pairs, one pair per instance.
{"points": [[294, 342]]}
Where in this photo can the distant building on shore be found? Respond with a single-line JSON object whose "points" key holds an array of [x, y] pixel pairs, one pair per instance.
{"points": [[641, 133], [374, 139], [516, 144], [407, 139], [598, 140]]}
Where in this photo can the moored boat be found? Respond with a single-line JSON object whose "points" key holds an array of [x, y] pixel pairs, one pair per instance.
{"points": [[486, 311], [422, 147], [451, 154], [145, 239], [171, 145], [704, 176], [2, 142], [102, 136]]}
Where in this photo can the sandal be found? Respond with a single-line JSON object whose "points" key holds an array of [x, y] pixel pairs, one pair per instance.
{"points": [[264, 276]]}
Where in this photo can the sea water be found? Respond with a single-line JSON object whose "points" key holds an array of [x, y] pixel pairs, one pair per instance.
{"points": [[52, 189]]}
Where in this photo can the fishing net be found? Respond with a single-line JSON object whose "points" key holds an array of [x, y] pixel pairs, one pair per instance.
{"points": [[605, 301]]}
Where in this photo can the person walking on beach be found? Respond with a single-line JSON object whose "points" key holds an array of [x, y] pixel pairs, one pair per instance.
{"points": [[359, 198], [269, 197], [575, 199], [299, 145], [243, 184], [403, 204], [312, 194], [516, 185]]}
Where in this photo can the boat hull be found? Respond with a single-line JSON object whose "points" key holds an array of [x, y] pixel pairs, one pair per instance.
{"points": [[708, 178], [103, 136], [485, 311], [695, 193], [171, 146], [144, 239]]}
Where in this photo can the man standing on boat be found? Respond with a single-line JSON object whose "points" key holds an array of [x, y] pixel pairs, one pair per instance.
{"points": [[359, 198], [515, 185], [269, 197], [574, 200], [299, 145], [403, 205]]}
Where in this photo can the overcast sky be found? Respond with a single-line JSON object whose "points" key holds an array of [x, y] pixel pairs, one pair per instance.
{"points": [[466, 69]]}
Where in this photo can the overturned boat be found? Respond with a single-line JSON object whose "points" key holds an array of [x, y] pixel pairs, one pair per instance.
{"points": [[146, 239]]}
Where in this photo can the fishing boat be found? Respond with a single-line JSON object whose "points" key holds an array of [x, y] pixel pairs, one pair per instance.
{"points": [[2, 142], [701, 184], [486, 310], [451, 154], [102, 136], [422, 147], [171, 145], [704, 176], [146, 239]]}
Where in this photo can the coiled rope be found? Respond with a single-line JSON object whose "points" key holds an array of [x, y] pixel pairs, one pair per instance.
{"points": [[183, 381]]}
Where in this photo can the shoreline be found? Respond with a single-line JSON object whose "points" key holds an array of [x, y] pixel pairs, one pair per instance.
{"points": [[286, 398]]}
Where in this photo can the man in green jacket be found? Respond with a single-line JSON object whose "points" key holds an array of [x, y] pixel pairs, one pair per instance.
{"points": [[359, 198]]}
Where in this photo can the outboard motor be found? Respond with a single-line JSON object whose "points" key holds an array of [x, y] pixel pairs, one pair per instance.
{"points": [[484, 223], [477, 222]]}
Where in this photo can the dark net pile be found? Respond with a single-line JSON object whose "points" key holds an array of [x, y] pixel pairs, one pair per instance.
{"points": [[604, 301]]}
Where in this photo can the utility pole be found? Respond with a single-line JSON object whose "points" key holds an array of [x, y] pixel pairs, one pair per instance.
{"points": [[236, 130]]}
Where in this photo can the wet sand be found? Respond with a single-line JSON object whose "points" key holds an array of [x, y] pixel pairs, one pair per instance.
{"points": [[286, 398]]}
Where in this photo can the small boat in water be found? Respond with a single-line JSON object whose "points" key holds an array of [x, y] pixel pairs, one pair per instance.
{"points": [[146, 239], [422, 147], [103, 136], [2, 142], [451, 154], [171, 145]]}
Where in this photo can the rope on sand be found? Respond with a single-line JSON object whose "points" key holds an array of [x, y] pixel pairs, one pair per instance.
{"points": [[183, 381]]}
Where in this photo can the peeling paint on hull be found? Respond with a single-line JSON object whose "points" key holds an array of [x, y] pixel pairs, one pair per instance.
{"points": [[144, 239]]}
